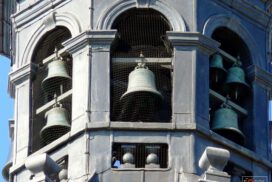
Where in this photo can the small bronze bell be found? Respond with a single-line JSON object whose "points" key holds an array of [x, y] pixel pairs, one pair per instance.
{"points": [[225, 123], [57, 76], [142, 100], [217, 72], [57, 124], [235, 85]]}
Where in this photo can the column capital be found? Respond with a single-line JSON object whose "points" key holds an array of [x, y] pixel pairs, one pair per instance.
{"points": [[98, 39], [193, 39]]}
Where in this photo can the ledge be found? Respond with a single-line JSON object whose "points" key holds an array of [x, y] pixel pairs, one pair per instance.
{"points": [[141, 169], [100, 40], [260, 75], [19, 76], [196, 39], [130, 126], [33, 11]]}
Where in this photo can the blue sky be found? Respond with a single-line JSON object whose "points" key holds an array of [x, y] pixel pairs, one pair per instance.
{"points": [[6, 112]]}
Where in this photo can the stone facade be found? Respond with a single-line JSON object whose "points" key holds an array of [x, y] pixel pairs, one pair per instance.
{"points": [[88, 146]]}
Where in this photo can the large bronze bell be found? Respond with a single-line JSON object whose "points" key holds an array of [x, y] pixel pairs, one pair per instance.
{"points": [[225, 123], [217, 71], [57, 124], [235, 85], [57, 76], [142, 100], [141, 79]]}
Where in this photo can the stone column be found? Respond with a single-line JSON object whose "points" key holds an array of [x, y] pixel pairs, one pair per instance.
{"points": [[191, 77], [20, 82]]}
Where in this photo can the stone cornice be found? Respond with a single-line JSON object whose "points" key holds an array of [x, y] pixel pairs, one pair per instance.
{"points": [[39, 8], [134, 126], [247, 9], [193, 39], [20, 75], [99, 40], [261, 76]]}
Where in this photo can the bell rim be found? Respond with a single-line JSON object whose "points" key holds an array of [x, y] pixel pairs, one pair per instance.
{"points": [[217, 68], [63, 126], [245, 87], [144, 90], [232, 129], [56, 76], [45, 139]]}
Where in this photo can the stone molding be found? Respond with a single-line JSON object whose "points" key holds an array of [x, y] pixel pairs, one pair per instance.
{"points": [[67, 20], [234, 24], [247, 9], [196, 39], [213, 161], [261, 76], [134, 126], [100, 40], [19, 76], [39, 8], [42, 166], [113, 11]]}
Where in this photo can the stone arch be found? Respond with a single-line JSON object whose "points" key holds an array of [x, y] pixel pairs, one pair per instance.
{"points": [[106, 20], [234, 24], [67, 20]]}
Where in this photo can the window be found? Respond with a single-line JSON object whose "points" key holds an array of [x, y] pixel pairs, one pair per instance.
{"points": [[141, 87], [53, 98], [230, 91], [139, 155]]}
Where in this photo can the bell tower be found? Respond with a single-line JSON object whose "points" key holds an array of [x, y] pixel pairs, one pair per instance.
{"points": [[141, 91]]}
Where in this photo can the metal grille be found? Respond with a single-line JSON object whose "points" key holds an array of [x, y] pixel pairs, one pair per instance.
{"points": [[45, 48], [140, 151], [140, 106], [141, 30]]}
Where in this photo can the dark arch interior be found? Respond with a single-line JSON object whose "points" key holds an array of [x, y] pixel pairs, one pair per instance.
{"points": [[45, 47], [49, 42], [141, 30], [232, 44]]}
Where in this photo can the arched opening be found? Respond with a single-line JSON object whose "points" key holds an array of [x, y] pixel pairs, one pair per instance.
{"points": [[232, 44], [41, 100], [141, 40], [231, 89], [141, 30]]}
